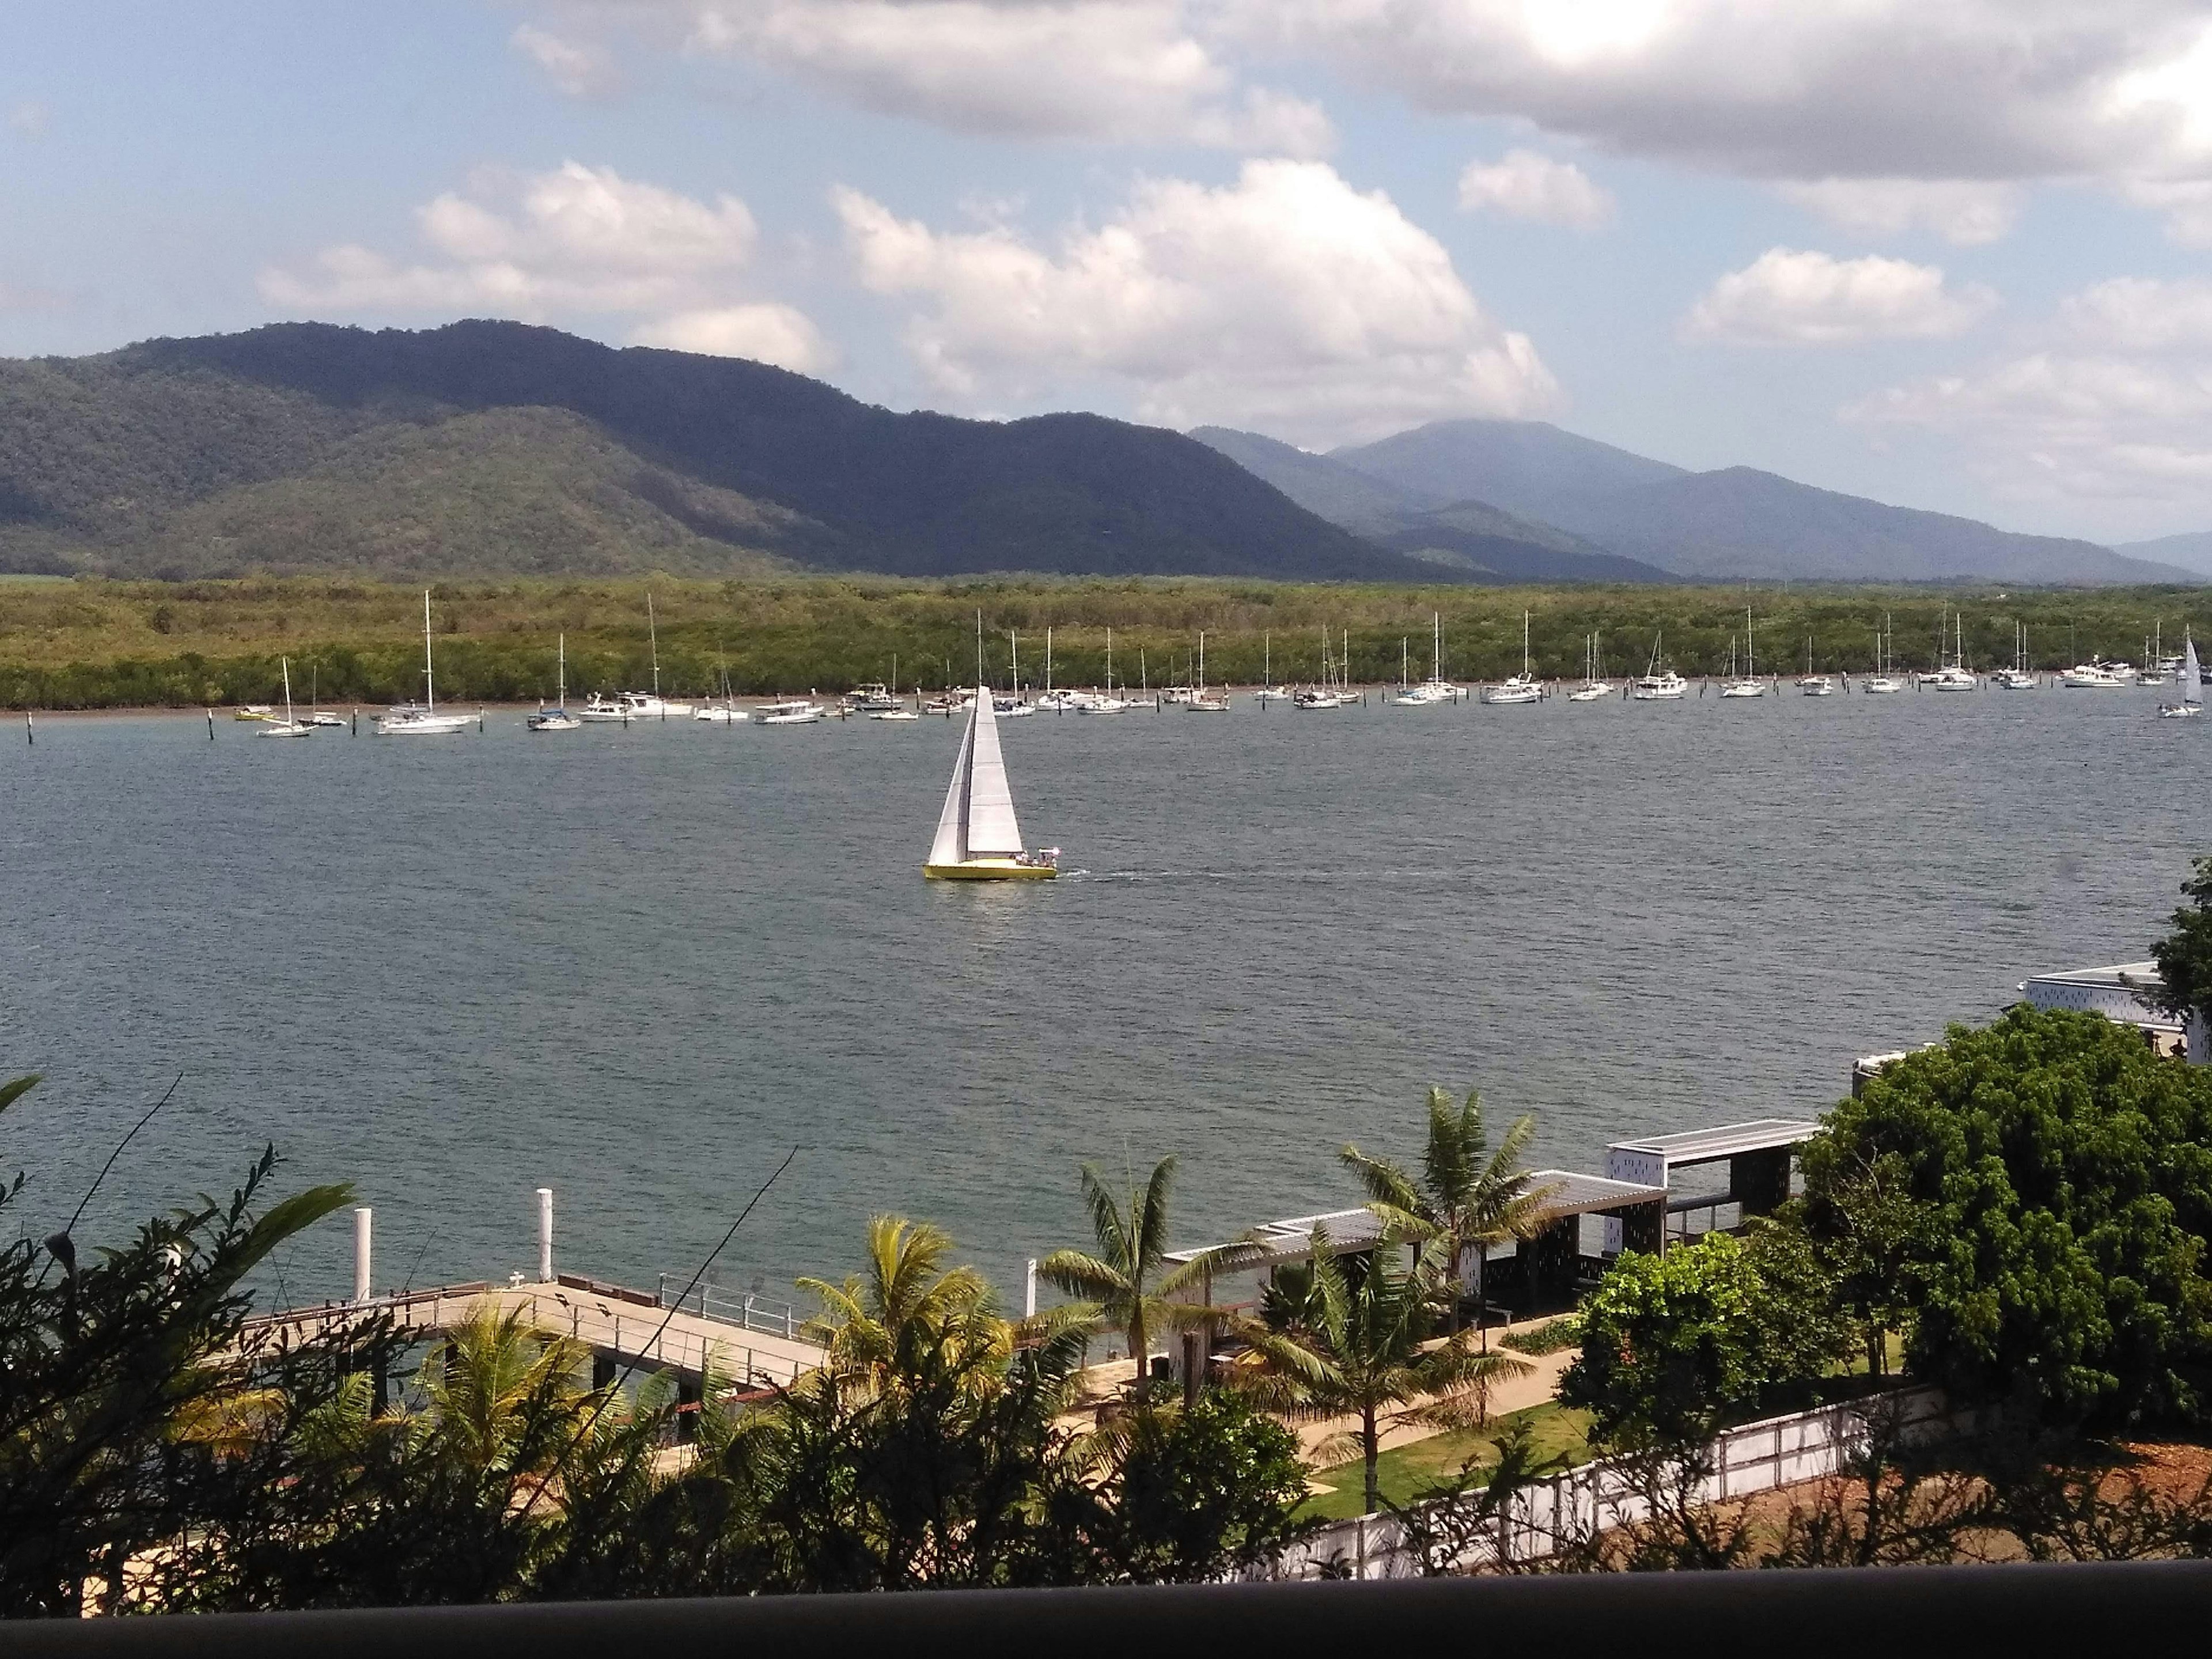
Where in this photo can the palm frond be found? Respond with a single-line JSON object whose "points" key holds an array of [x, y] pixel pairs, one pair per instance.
{"points": [[1086, 1276]]}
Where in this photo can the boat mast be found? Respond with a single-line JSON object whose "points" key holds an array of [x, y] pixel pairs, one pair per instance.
{"points": [[429, 683], [653, 641], [561, 673], [1266, 657]]}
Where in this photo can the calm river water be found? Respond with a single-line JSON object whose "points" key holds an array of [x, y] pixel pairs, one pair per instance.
{"points": [[640, 966]]}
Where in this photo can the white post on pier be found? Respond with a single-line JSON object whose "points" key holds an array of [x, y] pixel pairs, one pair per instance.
{"points": [[1029, 1290], [544, 1234], [362, 1275]]}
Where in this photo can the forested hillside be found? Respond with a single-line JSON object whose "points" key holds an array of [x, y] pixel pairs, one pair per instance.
{"points": [[488, 447]]}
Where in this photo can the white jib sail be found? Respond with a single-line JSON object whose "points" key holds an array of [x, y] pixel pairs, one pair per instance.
{"points": [[2192, 678], [990, 829], [950, 845]]}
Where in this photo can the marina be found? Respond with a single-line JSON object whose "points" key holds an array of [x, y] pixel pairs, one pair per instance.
{"points": [[640, 964]]}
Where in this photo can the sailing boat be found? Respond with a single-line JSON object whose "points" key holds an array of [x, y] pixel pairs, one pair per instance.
{"points": [[1105, 703], [1324, 694], [2192, 686], [1657, 687], [977, 836], [1814, 685], [1748, 685], [1200, 702], [289, 726], [2019, 677], [1595, 684], [557, 718], [1883, 684], [1269, 691], [315, 715], [1523, 687], [1954, 676], [422, 720]]}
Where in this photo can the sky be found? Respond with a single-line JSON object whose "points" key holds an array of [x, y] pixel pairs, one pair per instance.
{"points": [[1954, 254]]}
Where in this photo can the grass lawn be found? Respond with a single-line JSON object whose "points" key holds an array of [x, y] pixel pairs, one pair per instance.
{"points": [[1404, 1470]]}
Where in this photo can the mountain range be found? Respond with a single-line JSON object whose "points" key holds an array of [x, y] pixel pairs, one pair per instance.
{"points": [[1592, 499], [495, 448]]}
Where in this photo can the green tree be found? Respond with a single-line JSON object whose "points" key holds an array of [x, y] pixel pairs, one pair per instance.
{"points": [[871, 1321], [1128, 1278], [1466, 1199], [1675, 1345], [1365, 1343], [2184, 955], [108, 1362], [2064, 1173]]}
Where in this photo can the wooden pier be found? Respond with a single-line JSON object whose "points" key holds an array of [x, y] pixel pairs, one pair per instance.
{"points": [[744, 1341]]}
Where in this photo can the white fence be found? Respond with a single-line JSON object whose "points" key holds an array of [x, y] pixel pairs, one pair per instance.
{"points": [[1778, 1451]]}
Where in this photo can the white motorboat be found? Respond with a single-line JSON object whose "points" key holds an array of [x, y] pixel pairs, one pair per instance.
{"points": [[792, 711], [1523, 687], [620, 709], [1317, 696], [2098, 676], [1746, 684], [900, 714], [252, 711], [873, 698], [2192, 686], [1658, 683], [721, 713], [289, 726], [423, 719], [557, 718]]}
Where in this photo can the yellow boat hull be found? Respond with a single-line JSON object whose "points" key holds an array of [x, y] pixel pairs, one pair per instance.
{"points": [[989, 870]]}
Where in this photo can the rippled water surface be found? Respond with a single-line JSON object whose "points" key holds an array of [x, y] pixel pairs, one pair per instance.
{"points": [[639, 966]]}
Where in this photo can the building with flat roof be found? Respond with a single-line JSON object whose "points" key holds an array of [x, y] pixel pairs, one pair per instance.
{"points": [[2122, 994]]}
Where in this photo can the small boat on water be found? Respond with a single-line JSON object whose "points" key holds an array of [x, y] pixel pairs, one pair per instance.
{"points": [[2192, 686], [315, 715], [978, 837], [1746, 684], [423, 719], [1269, 691], [1814, 685], [1595, 684], [1522, 687], [1882, 683], [287, 727], [2098, 674], [792, 711], [2019, 677], [252, 711], [1202, 700], [557, 718], [1659, 682]]}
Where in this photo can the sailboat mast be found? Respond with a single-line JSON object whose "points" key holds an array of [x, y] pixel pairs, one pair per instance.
{"points": [[1266, 658], [561, 673], [429, 683], [653, 641]]}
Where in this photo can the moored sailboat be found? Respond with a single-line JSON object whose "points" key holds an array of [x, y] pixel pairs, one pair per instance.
{"points": [[557, 718], [2192, 686]]}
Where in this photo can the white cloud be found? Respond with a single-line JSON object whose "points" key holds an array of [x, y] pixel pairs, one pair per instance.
{"points": [[1287, 300], [1785, 297], [2187, 204], [1787, 89], [1124, 71], [1528, 185], [582, 68], [2109, 400], [767, 333], [1965, 212], [577, 240]]}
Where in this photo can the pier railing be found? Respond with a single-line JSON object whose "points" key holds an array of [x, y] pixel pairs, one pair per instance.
{"points": [[750, 1312]]}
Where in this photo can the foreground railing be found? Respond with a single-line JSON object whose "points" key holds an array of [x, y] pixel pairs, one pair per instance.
{"points": [[1894, 1612]]}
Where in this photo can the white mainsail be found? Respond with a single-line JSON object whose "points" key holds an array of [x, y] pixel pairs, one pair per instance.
{"points": [[978, 820], [2192, 678]]}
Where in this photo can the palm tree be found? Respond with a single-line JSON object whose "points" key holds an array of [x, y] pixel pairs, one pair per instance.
{"points": [[1467, 1197], [1364, 1343], [870, 1324], [1124, 1279], [501, 1398]]}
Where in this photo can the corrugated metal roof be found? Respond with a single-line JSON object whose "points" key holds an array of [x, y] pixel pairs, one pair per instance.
{"points": [[1704, 1145]]}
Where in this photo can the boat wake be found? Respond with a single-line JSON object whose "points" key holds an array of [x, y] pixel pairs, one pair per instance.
{"points": [[1316, 877]]}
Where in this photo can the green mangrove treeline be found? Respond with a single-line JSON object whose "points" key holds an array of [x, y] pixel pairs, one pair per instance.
{"points": [[87, 643]]}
